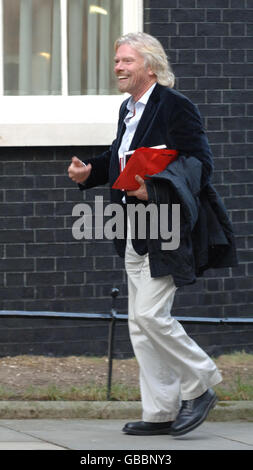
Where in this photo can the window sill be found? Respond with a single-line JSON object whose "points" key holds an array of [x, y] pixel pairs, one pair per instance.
{"points": [[58, 120]]}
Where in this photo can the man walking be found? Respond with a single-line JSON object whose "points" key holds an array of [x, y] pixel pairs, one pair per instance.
{"points": [[176, 375]]}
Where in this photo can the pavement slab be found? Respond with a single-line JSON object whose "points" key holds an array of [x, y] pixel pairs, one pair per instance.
{"points": [[95, 435]]}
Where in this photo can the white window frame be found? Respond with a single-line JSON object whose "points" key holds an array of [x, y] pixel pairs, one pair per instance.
{"points": [[62, 119]]}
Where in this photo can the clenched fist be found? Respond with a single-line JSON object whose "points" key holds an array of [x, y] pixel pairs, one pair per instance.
{"points": [[79, 172]]}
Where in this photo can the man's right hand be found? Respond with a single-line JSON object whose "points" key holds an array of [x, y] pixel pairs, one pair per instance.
{"points": [[79, 172]]}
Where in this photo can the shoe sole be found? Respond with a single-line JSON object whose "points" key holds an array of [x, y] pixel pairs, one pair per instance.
{"points": [[146, 433], [200, 421]]}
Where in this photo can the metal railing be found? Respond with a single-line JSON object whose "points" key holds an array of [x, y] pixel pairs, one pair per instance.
{"points": [[112, 317]]}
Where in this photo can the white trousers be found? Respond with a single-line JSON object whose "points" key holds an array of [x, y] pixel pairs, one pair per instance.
{"points": [[172, 366]]}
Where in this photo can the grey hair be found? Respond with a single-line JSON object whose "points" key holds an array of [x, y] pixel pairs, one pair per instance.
{"points": [[154, 55]]}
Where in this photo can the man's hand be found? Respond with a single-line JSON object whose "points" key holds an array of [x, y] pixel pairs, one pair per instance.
{"points": [[79, 172], [141, 192]]}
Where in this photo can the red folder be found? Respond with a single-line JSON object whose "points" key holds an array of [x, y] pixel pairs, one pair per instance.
{"points": [[144, 162]]}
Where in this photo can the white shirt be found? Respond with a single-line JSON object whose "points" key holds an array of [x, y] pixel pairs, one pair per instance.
{"points": [[132, 119]]}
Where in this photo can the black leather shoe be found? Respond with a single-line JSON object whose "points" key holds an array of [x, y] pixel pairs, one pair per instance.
{"points": [[193, 412], [143, 428]]}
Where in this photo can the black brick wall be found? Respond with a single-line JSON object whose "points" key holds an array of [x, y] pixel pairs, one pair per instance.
{"points": [[209, 44], [43, 268]]}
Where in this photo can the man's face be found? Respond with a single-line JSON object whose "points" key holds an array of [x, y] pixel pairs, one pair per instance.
{"points": [[132, 74]]}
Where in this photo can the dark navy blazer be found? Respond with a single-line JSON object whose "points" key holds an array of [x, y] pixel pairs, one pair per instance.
{"points": [[170, 119]]}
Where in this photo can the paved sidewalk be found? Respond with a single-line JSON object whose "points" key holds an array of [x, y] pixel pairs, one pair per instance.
{"points": [[92, 435], [93, 426]]}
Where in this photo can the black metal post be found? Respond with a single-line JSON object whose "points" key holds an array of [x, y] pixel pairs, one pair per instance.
{"points": [[114, 295]]}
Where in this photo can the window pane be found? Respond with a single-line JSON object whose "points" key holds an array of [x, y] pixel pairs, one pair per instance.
{"points": [[93, 26], [32, 48]]}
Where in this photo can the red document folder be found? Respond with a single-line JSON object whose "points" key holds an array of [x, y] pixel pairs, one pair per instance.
{"points": [[144, 162]]}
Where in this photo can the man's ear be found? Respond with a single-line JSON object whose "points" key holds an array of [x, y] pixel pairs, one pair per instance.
{"points": [[151, 73]]}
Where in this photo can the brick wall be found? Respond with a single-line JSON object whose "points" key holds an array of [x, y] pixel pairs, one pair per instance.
{"points": [[43, 268], [210, 47]]}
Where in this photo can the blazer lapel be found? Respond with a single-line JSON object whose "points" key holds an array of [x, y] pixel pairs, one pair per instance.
{"points": [[114, 164], [147, 116], [142, 127], [122, 128]]}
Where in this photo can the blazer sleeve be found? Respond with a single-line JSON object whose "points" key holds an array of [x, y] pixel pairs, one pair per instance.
{"points": [[101, 164], [100, 170], [189, 137]]}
